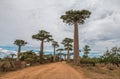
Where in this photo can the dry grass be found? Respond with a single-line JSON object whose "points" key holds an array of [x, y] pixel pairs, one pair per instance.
{"points": [[99, 71]]}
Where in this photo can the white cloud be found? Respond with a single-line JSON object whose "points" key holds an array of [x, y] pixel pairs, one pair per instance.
{"points": [[23, 18], [4, 52]]}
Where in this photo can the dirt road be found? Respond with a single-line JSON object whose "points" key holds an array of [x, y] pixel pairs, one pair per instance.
{"points": [[49, 71]]}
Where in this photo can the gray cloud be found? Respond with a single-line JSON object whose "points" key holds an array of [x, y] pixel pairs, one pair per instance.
{"points": [[23, 18]]}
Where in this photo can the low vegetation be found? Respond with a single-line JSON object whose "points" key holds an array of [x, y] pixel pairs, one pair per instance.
{"points": [[100, 71], [106, 66]]}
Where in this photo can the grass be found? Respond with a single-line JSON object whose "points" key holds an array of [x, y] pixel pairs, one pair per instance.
{"points": [[99, 71]]}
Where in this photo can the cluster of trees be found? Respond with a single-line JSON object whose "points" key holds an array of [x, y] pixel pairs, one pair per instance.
{"points": [[45, 36], [111, 56], [85, 58], [71, 17], [29, 57]]}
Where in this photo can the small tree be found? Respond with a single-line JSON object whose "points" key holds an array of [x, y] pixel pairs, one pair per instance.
{"points": [[86, 50], [12, 56], [112, 57], [19, 43], [64, 56], [55, 45], [67, 42], [60, 50]]}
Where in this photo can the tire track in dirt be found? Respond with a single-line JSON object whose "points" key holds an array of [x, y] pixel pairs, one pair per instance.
{"points": [[59, 70]]}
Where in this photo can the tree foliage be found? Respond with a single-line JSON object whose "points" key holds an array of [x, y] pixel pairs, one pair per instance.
{"points": [[55, 44], [19, 42], [43, 35], [72, 16], [29, 56], [111, 56]]}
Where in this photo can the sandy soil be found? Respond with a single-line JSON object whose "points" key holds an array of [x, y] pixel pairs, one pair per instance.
{"points": [[49, 71]]}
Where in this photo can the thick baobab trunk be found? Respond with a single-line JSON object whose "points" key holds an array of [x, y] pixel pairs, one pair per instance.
{"points": [[41, 51], [76, 44], [54, 55], [68, 56], [18, 56]]}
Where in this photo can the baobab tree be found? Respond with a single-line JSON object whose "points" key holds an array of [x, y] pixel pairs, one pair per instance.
{"points": [[86, 51], [55, 45], [67, 42], [42, 36], [19, 43], [75, 17], [60, 50]]}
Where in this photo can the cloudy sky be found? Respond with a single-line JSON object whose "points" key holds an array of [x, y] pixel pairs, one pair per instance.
{"points": [[20, 19]]}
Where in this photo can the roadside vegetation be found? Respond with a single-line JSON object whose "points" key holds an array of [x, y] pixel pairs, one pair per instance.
{"points": [[106, 66]]}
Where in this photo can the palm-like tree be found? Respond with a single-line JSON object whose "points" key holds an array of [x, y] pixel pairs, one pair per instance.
{"points": [[67, 42], [55, 45], [75, 17], [60, 50], [86, 50], [42, 36], [19, 43], [68, 53], [12, 55], [64, 56]]}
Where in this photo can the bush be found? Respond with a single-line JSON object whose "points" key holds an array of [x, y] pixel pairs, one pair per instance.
{"points": [[90, 61], [5, 66], [111, 57]]}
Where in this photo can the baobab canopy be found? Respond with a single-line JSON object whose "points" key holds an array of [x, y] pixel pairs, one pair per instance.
{"points": [[72, 16]]}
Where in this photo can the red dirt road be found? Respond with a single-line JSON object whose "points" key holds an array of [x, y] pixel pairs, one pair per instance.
{"points": [[49, 71]]}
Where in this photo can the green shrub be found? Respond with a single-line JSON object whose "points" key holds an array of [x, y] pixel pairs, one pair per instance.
{"points": [[5, 66]]}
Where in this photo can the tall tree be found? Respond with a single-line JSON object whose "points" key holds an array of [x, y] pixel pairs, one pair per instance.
{"points": [[42, 36], [55, 45], [86, 50], [60, 50], [19, 43], [75, 17], [67, 42]]}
